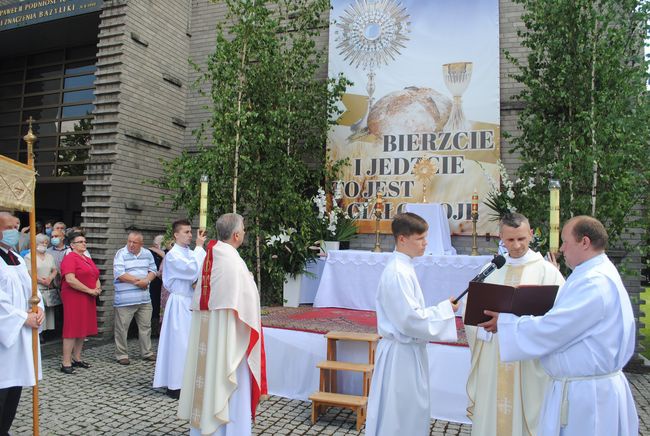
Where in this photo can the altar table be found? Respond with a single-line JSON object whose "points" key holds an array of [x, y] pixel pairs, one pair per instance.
{"points": [[350, 277], [291, 358]]}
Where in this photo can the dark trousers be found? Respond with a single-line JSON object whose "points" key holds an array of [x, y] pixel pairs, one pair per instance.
{"points": [[9, 398], [154, 292]]}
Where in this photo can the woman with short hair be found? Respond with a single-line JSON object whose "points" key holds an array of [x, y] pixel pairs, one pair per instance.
{"points": [[79, 289]]}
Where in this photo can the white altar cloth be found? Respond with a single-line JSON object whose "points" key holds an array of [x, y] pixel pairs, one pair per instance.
{"points": [[291, 358], [439, 237], [350, 277], [310, 281]]}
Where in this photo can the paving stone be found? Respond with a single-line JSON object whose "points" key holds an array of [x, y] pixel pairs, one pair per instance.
{"points": [[111, 399]]}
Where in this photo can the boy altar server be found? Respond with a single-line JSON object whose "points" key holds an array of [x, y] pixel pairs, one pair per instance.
{"points": [[398, 403], [506, 398], [224, 371], [583, 342], [181, 269]]}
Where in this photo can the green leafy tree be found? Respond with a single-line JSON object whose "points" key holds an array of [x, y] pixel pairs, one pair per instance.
{"points": [[263, 146], [586, 112]]}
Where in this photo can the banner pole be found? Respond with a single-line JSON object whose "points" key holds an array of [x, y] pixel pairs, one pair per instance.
{"points": [[30, 138]]}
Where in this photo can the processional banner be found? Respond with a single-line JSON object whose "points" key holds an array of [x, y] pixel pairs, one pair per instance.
{"points": [[17, 182], [421, 120]]}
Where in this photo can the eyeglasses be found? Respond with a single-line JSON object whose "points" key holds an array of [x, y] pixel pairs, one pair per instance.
{"points": [[78, 242]]}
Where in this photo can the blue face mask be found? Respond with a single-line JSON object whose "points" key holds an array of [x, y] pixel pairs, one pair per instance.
{"points": [[10, 237], [48, 232], [55, 242]]}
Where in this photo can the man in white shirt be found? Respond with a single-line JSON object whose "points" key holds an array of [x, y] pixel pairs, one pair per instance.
{"points": [[506, 398], [133, 269], [583, 342], [16, 324], [181, 268], [398, 403]]}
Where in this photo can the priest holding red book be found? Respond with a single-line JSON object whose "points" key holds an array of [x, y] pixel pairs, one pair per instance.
{"points": [[583, 342]]}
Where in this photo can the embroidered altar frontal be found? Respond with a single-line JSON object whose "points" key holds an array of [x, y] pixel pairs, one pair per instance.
{"points": [[323, 320]]}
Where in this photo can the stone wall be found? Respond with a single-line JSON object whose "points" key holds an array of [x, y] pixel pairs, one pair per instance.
{"points": [[141, 86]]}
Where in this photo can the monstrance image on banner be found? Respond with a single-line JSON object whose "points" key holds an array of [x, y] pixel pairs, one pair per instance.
{"points": [[425, 88]]}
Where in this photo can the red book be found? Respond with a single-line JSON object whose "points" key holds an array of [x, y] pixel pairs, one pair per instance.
{"points": [[519, 300]]}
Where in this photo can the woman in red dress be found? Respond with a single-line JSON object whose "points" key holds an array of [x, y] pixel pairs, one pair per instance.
{"points": [[79, 289]]}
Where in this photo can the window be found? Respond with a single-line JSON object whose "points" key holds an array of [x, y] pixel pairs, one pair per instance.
{"points": [[56, 88]]}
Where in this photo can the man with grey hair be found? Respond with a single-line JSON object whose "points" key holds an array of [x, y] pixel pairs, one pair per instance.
{"points": [[133, 269], [59, 225], [507, 398], [227, 224], [226, 346]]}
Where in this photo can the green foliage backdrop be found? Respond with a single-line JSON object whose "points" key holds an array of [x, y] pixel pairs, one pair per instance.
{"points": [[586, 114], [263, 147]]}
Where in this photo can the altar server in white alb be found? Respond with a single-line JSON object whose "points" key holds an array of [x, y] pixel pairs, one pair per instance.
{"points": [[506, 398], [225, 371], [181, 269], [399, 394], [16, 324], [583, 342]]}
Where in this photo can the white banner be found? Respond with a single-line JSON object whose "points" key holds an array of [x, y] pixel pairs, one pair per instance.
{"points": [[421, 121]]}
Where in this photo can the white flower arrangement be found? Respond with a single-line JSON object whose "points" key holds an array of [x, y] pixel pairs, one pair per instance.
{"points": [[283, 237], [336, 224], [501, 194]]}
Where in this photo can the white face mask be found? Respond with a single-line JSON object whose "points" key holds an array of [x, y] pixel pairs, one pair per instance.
{"points": [[41, 249]]}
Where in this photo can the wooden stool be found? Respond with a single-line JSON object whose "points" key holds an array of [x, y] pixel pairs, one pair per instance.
{"points": [[327, 396]]}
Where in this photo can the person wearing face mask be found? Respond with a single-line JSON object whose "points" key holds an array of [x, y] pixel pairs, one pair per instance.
{"points": [[46, 273], [16, 324], [181, 268], [57, 248], [48, 228]]}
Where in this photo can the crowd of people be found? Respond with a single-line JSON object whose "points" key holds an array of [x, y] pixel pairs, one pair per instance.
{"points": [[559, 373]]}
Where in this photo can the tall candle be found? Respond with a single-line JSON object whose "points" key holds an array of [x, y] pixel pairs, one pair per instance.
{"points": [[554, 217], [203, 204], [474, 202]]}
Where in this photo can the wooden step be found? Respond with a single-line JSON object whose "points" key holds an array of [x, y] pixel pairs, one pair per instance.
{"points": [[352, 336], [345, 366], [322, 400], [340, 400]]}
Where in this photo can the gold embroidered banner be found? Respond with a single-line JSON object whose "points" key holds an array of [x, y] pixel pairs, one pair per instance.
{"points": [[17, 182]]}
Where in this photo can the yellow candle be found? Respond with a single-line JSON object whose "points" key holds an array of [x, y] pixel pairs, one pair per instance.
{"points": [[554, 217], [203, 204], [474, 202]]}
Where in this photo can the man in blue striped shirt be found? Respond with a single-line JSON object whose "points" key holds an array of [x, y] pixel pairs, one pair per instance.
{"points": [[133, 268]]}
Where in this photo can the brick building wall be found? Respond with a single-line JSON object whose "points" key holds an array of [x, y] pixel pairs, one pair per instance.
{"points": [[141, 86]]}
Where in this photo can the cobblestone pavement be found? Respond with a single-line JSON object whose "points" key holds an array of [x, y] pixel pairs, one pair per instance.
{"points": [[110, 399]]}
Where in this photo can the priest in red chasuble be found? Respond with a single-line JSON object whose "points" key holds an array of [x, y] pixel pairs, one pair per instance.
{"points": [[225, 366]]}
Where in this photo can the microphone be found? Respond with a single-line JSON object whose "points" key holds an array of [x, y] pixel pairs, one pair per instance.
{"points": [[496, 263]]}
